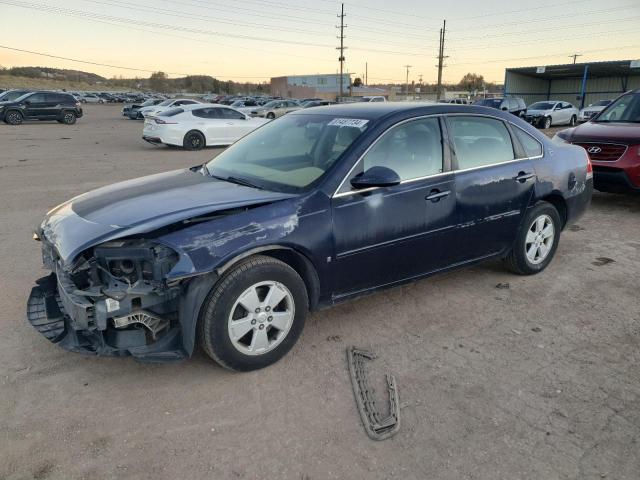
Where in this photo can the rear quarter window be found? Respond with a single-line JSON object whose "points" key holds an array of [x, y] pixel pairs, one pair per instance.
{"points": [[532, 147]]}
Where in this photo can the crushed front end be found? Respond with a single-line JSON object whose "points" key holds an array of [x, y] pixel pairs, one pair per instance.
{"points": [[111, 300]]}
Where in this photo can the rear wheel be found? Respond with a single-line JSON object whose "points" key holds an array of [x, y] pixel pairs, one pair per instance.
{"points": [[13, 117], [194, 141], [537, 240], [254, 315]]}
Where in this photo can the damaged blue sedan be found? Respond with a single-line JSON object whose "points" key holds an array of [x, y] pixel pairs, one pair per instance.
{"points": [[317, 207]]}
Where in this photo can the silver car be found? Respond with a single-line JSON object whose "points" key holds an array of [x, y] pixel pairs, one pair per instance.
{"points": [[587, 113], [275, 109], [549, 113]]}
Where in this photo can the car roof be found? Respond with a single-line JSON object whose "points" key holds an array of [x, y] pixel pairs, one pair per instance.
{"points": [[374, 111], [193, 106]]}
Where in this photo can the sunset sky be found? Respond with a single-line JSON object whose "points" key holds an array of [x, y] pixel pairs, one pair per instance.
{"points": [[253, 40]]}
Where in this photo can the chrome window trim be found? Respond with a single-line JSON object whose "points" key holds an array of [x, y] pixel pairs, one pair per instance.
{"points": [[436, 115]]}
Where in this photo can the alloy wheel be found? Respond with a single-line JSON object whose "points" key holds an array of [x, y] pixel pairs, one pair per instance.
{"points": [[261, 318], [539, 239]]}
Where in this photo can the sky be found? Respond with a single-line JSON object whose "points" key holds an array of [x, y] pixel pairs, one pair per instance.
{"points": [[253, 40]]}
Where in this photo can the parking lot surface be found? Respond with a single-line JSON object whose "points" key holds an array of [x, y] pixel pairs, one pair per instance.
{"points": [[500, 376]]}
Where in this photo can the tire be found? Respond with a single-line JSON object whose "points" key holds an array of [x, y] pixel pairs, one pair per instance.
{"points": [[546, 123], [519, 260], [13, 117], [68, 118], [194, 140], [256, 278], [271, 115], [573, 121]]}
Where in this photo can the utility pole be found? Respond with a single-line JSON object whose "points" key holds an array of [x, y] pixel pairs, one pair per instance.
{"points": [[575, 56], [441, 57], [341, 48], [366, 73], [407, 67]]}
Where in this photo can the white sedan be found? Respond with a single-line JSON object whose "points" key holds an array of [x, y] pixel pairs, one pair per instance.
{"points": [[197, 126], [166, 105]]}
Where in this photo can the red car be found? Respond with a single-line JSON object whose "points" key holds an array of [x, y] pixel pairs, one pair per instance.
{"points": [[612, 140]]}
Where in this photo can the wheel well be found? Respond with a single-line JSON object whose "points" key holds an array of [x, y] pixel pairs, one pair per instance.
{"points": [[195, 130], [561, 205], [296, 260]]}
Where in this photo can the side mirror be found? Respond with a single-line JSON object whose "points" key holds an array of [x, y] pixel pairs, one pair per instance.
{"points": [[375, 177]]}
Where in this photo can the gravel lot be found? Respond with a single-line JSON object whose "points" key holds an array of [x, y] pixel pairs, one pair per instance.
{"points": [[537, 380]]}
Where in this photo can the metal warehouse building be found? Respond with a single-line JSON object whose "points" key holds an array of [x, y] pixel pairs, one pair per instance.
{"points": [[577, 83]]}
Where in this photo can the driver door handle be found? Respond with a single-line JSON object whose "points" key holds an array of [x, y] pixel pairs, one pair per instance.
{"points": [[435, 195], [523, 177]]}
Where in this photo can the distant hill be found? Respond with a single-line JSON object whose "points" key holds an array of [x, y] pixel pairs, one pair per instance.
{"points": [[57, 78], [54, 74]]}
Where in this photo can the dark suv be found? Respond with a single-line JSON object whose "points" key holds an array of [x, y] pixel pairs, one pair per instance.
{"points": [[513, 105], [41, 105]]}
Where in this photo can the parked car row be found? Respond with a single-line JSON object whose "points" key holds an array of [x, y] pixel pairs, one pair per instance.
{"points": [[544, 114]]}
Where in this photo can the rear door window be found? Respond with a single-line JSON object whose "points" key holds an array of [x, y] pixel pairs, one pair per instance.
{"points": [[480, 141]]}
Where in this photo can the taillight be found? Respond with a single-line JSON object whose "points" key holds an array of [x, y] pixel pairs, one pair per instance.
{"points": [[159, 121], [589, 168]]}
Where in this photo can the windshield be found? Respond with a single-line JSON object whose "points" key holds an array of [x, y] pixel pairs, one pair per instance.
{"points": [[541, 106], [601, 103], [490, 102], [624, 109], [166, 103], [237, 103], [288, 154], [10, 95], [272, 103], [149, 103]]}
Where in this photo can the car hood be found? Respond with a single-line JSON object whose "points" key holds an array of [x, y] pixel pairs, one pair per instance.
{"points": [[592, 109], [142, 205], [538, 112], [617, 132]]}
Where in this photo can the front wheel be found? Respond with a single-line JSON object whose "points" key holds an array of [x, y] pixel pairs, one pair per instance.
{"points": [[271, 115], [537, 240], [13, 118], [573, 121], [254, 315], [546, 123]]}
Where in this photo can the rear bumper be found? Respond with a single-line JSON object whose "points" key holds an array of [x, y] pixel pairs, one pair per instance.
{"points": [[152, 140]]}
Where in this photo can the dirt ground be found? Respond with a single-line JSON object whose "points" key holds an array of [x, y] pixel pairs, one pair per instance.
{"points": [[500, 376]]}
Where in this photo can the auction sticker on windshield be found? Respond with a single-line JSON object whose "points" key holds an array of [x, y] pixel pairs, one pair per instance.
{"points": [[348, 122]]}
